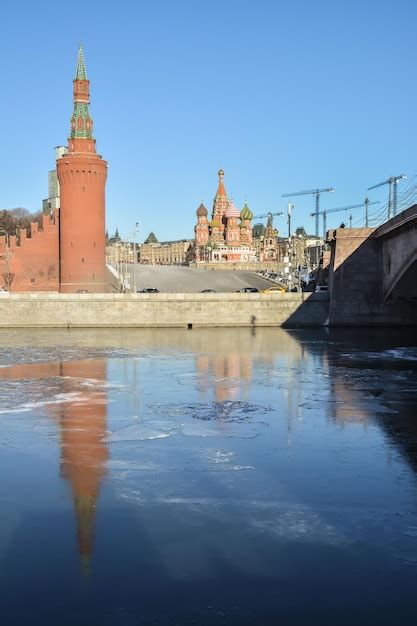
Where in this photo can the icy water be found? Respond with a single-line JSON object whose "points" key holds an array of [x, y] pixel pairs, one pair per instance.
{"points": [[208, 477]]}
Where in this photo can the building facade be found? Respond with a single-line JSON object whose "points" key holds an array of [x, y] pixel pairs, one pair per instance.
{"points": [[53, 201], [153, 252]]}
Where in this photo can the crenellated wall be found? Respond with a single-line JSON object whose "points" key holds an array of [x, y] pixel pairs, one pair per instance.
{"points": [[31, 263]]}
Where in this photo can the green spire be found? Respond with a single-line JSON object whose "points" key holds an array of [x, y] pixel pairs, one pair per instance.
{"points": [[81, 121], [81, 73]]}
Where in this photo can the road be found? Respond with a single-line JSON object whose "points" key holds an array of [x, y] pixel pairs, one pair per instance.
{"points": [[171, 279]]}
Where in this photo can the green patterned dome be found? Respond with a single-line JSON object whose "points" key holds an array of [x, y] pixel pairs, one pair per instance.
{"points": [[246, 213], [215, 223]]}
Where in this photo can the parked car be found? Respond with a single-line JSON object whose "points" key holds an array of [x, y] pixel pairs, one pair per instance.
{"points": [[273, 290], [248, 290], [148, 290], [321, 289], [208, 291], [82, 291]]}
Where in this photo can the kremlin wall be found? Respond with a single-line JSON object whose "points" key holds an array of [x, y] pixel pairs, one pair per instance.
{"points": [[68, 253]]}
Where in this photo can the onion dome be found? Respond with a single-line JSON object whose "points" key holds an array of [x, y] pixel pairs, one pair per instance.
{"points": [[201, 211], [231, 210], [246, 213]]}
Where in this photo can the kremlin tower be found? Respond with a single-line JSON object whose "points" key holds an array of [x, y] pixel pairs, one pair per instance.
{"points": [[82, 177]]}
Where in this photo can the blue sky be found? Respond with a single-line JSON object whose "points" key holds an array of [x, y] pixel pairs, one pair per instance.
{"points": [[284, 95]]}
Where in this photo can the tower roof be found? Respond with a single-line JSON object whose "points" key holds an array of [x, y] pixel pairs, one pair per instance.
{"points": [[151, 238], [231, 210], [81, 72], [221, 191], [81, 120], [246, 213], [201, 211]]}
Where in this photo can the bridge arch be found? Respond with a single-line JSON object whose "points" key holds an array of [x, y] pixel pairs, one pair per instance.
{"points": [[403, 283]]}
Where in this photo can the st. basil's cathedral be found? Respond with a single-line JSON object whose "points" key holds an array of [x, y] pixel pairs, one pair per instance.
{"points": [[227, 238]]}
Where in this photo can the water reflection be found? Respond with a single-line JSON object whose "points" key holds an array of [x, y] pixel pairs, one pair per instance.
{"points": [[222, 466], [80, 410]]}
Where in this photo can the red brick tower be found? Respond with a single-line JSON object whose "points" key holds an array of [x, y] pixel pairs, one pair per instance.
{"points": [[82, 177]]}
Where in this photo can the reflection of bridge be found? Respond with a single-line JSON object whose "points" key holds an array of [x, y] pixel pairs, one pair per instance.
{"points": [[373, 273]]}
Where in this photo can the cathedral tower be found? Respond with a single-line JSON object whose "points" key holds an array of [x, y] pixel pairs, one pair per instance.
{"points": [[82, 177], [220, 202]]}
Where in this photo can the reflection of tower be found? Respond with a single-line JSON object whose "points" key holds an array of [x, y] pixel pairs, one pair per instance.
{"points": [[82, 412], [83, 456], [82, 177]]}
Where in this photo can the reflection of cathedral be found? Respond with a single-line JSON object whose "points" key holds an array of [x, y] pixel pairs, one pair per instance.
{"points": [[228, 236], [229, 374]]}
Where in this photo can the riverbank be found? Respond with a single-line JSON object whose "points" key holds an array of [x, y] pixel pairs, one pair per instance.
{"points": [[83, 310]]}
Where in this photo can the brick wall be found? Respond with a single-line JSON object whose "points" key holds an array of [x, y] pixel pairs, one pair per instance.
{"points": [[32, 263]]}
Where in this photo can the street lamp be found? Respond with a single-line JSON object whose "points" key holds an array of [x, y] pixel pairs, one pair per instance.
{"points": [[135, 232]]}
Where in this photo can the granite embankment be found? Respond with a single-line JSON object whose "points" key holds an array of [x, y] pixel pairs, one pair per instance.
{"points": [[52, 310]]}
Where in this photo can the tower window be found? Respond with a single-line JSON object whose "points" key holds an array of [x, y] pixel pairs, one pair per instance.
{"points": [[82, 259]]}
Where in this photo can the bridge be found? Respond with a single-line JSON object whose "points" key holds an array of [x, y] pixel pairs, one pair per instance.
{"points": [[373, 273]]}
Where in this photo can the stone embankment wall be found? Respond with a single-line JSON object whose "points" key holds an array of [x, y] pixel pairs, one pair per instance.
{"points": [[43, 310]]}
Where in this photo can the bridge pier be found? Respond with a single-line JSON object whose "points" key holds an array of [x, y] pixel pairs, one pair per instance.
{"points": [[373, 274]]}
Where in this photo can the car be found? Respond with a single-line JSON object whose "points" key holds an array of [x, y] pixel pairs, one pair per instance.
{"points": [[321, 289], [248, 290], [208, 291], [273, 290], [148, 290]]}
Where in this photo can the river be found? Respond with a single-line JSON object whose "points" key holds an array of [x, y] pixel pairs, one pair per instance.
{"points": [[213, 476]]}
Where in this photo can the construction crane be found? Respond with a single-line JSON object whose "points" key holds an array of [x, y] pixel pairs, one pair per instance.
{"points": [[392, 181], [316, 193], [324, 213], [269, 214]]}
